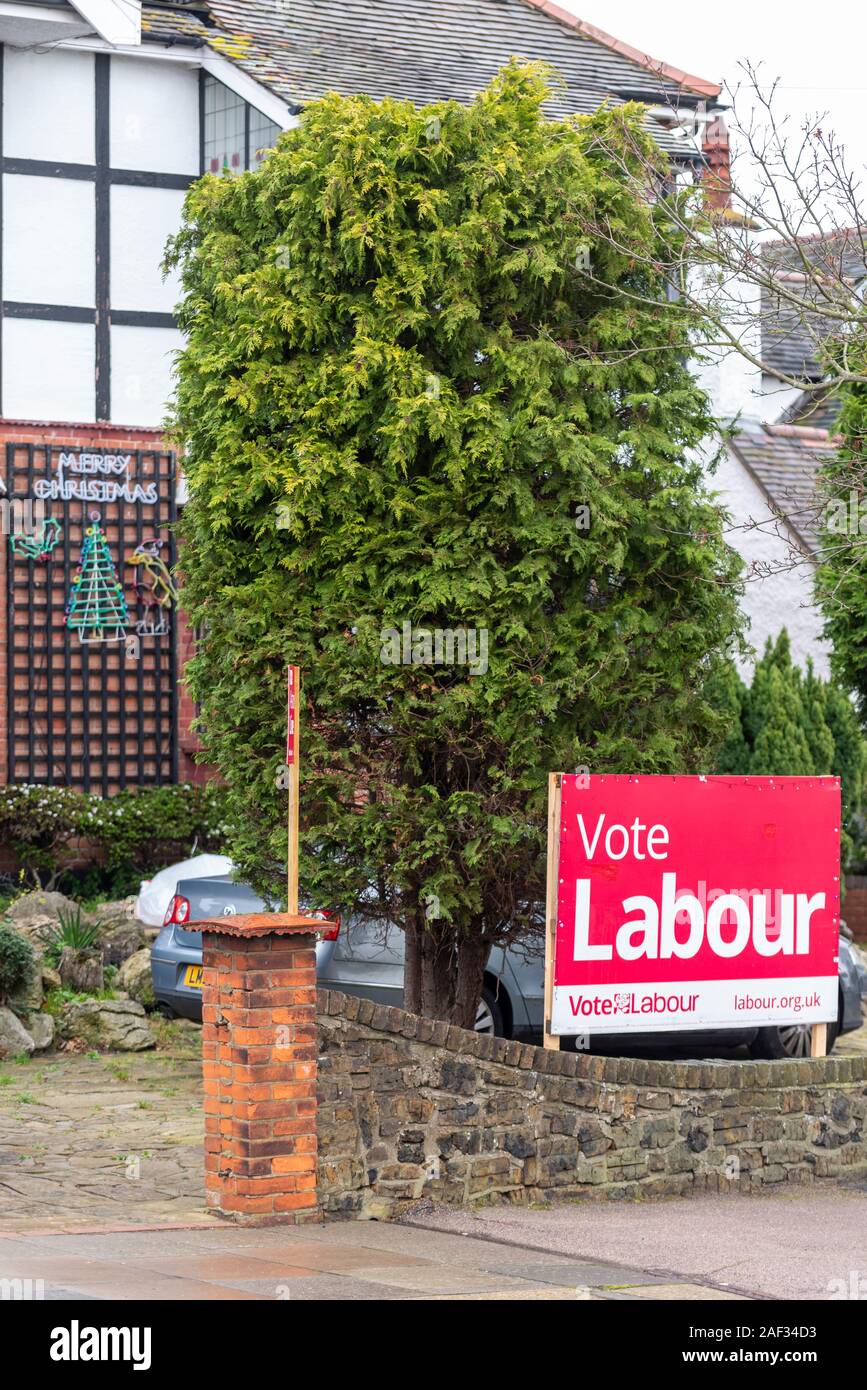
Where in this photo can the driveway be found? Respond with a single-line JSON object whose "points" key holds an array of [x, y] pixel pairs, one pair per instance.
{"points": [[101, 1140]]}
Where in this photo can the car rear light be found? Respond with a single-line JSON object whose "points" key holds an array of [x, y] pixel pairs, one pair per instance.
{"points": [[177, 912], [332, 931]]}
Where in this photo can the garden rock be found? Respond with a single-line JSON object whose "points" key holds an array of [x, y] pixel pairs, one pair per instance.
{"points": [[41, 1029], [134, 976], [14, 1037], [81, 971], [29, 999], [50, 978], [120, 932], [121, 941], [116, 1023], [38, 913], [116, 914]]}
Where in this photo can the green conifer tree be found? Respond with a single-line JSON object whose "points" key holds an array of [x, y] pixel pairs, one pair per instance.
{"points": [[814, 695], [728, 694], [842, 576], [781, 748], [403, 400], [794, 725]]}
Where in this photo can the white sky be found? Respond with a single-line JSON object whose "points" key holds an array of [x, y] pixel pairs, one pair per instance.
{"points": [[819, 51]]}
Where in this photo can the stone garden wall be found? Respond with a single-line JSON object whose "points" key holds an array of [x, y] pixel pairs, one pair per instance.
{"points": [[412, 1108]]}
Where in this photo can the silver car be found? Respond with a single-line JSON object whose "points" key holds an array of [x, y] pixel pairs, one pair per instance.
{"points": [[354, 956], [366, 958]]}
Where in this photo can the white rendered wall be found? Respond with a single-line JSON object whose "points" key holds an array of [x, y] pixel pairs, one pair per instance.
{"points": [[48, 105], [732, 382], [48, 370], [783, 599], [154, 116], [141, 221], [737, 389], [141, 373], [775, 400], [48, 240]]}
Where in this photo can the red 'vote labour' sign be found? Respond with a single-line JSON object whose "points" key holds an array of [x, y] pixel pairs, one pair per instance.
{"points": [[291, 713], [691, 902]]}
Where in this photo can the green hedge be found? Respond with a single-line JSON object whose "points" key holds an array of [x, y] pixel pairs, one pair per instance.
{"points": [[133, 833]]}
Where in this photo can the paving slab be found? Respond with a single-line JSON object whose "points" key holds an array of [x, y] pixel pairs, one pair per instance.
{"points": [[345, 1261], [102, 1139]]}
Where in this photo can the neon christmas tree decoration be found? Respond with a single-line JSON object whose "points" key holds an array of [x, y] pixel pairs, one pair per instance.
{"points": [[96, 608]]}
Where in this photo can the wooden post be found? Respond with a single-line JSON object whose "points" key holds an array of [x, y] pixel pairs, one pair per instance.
{"points": [[293, 749], [819, 1040], [549, 1039]]}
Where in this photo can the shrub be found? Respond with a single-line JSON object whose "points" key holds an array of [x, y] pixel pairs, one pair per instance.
{"points": [[72, 932], [17, 962], [144, 829], [36, 822], [132, 834]]}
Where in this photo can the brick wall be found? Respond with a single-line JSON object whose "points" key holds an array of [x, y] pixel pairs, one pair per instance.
{"points": [[412, 1108], [854, 909]]}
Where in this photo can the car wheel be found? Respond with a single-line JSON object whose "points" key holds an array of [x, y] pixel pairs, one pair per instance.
{"points": [[489, 1015], [165, 1010], [792, 1040]]}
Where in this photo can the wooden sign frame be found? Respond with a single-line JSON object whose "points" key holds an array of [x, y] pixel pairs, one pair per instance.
{"points": [[551, 1041]]}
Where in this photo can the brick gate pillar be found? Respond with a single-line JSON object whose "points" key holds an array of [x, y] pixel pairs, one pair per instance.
{"points": [[259, 1063]]}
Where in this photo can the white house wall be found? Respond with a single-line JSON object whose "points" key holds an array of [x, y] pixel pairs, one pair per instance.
{"points": [[141, 371], [783, 599], [154, 116], [775, 400], [98, 150], [141, 221], [48, 106], [738, 390], [48, 362], [48, 241]]}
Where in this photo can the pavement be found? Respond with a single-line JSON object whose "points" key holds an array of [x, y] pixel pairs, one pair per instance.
{"points": [[808, 1242], [335, 1260], [101, 1198]]}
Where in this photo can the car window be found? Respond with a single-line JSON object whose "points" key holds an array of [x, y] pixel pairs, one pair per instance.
{"points": [[374, 941]]}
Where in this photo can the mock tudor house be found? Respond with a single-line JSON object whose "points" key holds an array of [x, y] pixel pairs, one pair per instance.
{"points": [[110, 109]]}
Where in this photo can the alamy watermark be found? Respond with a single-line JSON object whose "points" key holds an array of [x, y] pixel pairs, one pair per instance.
{"points": [[437, 646], [854, 1287], [21, 516], [846, 516], [22, 1290]]}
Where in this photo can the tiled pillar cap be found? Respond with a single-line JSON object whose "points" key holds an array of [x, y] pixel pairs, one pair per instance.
{"points": [[250, 924]]}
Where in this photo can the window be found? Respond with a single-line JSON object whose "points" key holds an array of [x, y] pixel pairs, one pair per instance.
{"points": [[235, 136]]}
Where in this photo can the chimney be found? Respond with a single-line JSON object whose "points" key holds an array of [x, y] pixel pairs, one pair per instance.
{"points": [[718, 174]]}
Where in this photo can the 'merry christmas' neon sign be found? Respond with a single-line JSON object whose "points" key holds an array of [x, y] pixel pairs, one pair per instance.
{"points": [[113, 487]]}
